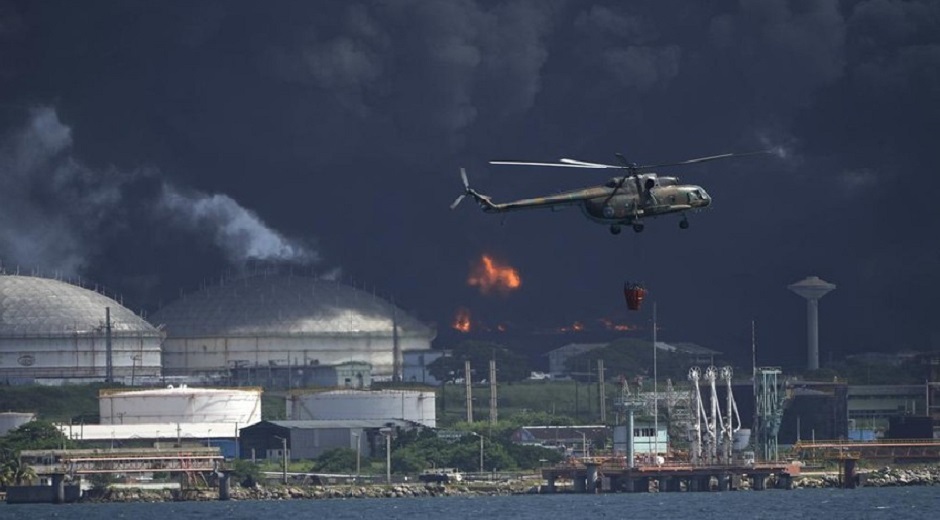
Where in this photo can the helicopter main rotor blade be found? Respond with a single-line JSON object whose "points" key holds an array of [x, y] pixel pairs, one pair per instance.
{"points": [[525, 163], [458, 201], [703, 159], [588, 164]]}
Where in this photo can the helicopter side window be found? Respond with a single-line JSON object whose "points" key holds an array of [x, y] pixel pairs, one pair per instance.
{"points": [[672, 199]]}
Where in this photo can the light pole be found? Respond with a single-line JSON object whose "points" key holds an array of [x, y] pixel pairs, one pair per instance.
{"points": [[283, 458], [387, 432], [358, 451], [209, 438], [481, 450]]}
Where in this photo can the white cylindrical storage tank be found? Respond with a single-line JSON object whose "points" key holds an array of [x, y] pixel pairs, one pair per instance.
{"points": [[408, 405], [13, 420], [180, 405]]}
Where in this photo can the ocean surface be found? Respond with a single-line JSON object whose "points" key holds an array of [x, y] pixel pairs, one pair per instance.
{"points": [[921, 502]]}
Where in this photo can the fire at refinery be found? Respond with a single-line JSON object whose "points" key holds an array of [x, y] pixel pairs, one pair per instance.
{"points": [[465, 323], [490, 275], [462, 320]]}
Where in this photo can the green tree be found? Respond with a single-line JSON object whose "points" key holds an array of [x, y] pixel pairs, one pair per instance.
{"points": [[510, 366], [245, 472], [13, 472], [34, 435], [338, 460]]}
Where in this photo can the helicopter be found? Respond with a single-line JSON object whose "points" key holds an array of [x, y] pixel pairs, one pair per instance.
{"points": [[625, 200]]}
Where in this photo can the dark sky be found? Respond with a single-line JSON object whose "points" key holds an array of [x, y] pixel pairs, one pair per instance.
{"points": [[150, 146]]}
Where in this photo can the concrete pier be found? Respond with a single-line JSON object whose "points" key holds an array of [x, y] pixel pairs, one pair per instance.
{"points": [[585, 477]]}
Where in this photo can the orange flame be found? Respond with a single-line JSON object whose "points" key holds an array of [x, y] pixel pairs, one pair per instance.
{"points": [[575, 327], [622, 327], [489, 275], [462, 320]]}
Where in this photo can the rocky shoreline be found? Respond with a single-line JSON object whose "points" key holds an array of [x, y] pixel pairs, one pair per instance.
{"points": [[289, 492], [884, 477]]}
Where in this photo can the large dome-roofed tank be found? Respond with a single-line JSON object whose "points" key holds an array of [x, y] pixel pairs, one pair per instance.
{"points": [[54, 331], [270, 321]]}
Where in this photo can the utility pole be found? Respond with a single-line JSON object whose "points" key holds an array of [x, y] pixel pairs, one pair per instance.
{"points": [[469, 390], [601, 391], [358, 451], [388, 454], [655, 390], [283, 459], [109, 372], [481, 449], [494, 414]]}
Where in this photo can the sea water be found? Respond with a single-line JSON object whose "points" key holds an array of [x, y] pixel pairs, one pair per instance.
{"points": [[922, 502]]}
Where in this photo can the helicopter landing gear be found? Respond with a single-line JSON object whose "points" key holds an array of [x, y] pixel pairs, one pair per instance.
{"points": [[614, 229], [638, 227], [684, 223]]}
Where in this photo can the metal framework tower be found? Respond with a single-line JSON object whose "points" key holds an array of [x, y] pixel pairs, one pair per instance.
{"points": [[812, 288], [771, 399]]}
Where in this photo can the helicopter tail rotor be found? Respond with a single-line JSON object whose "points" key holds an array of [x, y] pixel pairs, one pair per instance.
{"points": [[481, 199], [466, 187]]}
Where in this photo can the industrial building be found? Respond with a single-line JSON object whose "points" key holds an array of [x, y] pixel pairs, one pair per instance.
{"points": [[267, 328], [171, 417], [305, 440], [52, 331], [406, 405]]}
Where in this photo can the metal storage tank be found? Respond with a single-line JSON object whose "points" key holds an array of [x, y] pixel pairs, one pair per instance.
{"points": [[55, 331], [13, 420], [263, 323], [180, 405], [408, 405]]}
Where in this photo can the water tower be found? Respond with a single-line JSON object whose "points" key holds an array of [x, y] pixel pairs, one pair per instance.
{"points": [[812, 288]]}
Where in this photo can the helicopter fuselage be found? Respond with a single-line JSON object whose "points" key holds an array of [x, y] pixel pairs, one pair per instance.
{"points": [[624, 206]]}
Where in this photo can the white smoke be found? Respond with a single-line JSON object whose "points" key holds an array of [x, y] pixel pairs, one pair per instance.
{"points": [[56, 213], [237, 231]]}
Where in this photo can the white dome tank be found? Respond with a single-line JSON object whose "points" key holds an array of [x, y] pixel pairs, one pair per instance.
{"points": [[180, 405], [409, 405], [13, 420], [56, 332]]}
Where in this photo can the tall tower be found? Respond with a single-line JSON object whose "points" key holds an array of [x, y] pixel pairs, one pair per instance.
{"points": [[812, 288]]}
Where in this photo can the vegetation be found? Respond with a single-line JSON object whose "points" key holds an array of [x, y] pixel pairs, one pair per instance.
{"points": [[245, 472], [67, 403], [338, 460], [512, 366], [415, 452], [35, 435]]}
